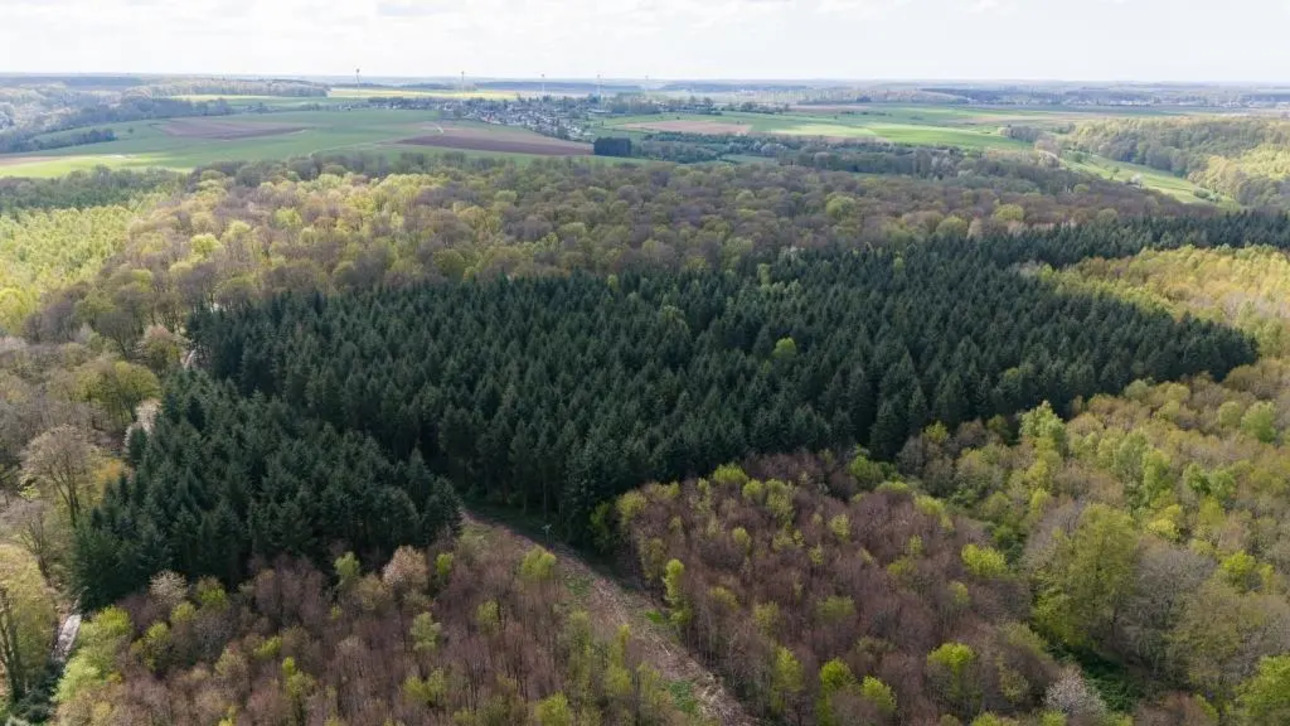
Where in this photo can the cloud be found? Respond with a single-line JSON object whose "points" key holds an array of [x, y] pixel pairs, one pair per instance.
{"points": [[660, 38], [412, 8]]}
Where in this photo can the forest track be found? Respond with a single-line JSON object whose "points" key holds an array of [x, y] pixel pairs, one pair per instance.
{"points": [[611, 603]]}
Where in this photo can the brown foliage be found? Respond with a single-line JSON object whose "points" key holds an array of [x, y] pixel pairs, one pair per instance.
{"points": [[877, 582], [476, 644]]}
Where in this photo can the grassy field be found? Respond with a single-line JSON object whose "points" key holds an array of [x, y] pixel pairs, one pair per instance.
{"points": [[270, 136], [1176, 187], [935, 126]]}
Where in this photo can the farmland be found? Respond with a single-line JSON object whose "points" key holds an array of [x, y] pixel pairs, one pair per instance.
{"points": [[189, 143], [355, 119], [476, 137]]}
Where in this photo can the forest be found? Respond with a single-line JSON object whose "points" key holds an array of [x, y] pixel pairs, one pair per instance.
{"points": [[557, 394], [1243, 157], [1006, 444], [476, 631]]}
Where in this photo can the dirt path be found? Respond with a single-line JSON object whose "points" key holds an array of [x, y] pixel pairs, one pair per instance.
{"points": [[612, 604]]}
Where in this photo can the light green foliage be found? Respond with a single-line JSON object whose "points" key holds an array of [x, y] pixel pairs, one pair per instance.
{"points": [[1044, 427], [1010, 213], [269, 649], [1088, 577], [443, 566], [674, 591], [835, 609], [959, 594], [538, 565], [211, 594], [730, 475], [347, 569], [430, 691], [835, 678], [41, 251], [989, 719], [879, 694], [868, 473], [1240, 569], [754, 491], [840, 527], [182, 613], [629, 505], [840, 206], [1229, 414], [952, 226], [786, 680], [153, 647], [914, 547], [954, 657], [951, 666], [118, 387], [742, 538], [984, 562], [425, 633], [97, 644], [1157, 477], [27, 620], [488, 617], [1265, 697], [1260, 421], [766, 617], [779, 500], [554, 711], [724, 597], [785, 349]]}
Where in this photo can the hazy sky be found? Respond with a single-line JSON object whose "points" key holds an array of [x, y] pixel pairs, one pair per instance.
{"points": [[1239, 40]]}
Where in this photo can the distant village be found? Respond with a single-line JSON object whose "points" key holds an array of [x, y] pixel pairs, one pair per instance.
{"points": [[562, 117]]}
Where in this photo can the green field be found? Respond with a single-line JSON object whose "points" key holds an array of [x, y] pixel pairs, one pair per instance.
{"points": [[928, 126], [1176, 187], [148, 144]]}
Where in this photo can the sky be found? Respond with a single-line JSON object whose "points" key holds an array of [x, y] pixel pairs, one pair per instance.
{"points": [[1092, 40]]}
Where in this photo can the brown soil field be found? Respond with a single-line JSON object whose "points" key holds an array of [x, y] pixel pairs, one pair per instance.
{"points": [[503, 140], [193, 128], [691, 127], [13, 160]]}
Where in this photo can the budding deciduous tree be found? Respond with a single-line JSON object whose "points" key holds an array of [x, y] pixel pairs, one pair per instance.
{"points": [[27, 620], [61, 462]]}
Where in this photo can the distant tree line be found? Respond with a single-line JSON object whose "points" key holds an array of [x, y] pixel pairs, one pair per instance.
{"points": [[131, 108], [231, 87], [81, 189], [61, 141]]}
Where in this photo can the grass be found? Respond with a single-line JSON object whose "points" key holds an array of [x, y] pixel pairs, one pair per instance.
{"points": [[683, 698], [146, 144], [1176, 187], [925, 126]]}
